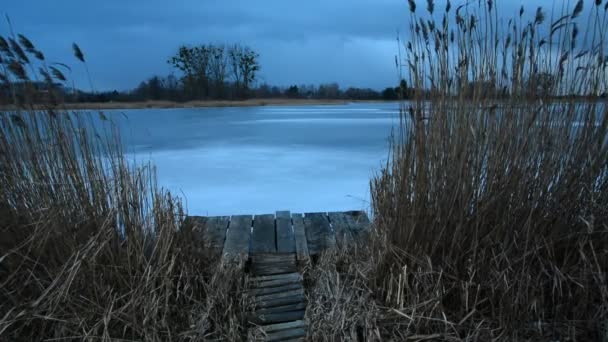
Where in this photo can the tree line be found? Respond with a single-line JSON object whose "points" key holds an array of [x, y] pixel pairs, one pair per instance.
{"points": [[169, 88], [215, 71], [226, 72]]}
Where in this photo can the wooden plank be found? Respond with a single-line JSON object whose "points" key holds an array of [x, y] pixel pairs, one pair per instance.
{"points": [[341, 227], [269, 264], [299, 232], [269, 303], [277, 283], [358, 221], [267, 258], [238, 235], [286, 334], [285, 239], [276, 263], [273, 269], [282, 308], [268, 290], [216, 230], [211, 231], [359, 224], [197, 224], [282, 326], [276, 277], [277, 317], [318, 233], [263, 238], [274, 296]]}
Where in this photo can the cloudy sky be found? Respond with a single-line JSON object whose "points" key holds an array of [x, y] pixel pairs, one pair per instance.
{"points": [[352, 42]]}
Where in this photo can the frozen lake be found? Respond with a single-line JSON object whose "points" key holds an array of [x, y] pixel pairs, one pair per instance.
{"points": [[256, 160]]}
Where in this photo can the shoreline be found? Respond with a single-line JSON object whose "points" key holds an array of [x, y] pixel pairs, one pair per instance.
{"points": [[210, 103]]}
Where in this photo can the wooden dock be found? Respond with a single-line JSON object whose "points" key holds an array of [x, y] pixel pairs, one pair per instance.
{"points": [[270, 248]]}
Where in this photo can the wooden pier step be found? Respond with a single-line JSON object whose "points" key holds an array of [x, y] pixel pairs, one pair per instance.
{"points": [[275, 245], [276, 297]]}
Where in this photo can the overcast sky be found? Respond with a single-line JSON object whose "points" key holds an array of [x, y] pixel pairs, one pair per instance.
{"points": [[352, 42]]}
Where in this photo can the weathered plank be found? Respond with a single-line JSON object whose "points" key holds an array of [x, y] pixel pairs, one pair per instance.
{"points": [[285, 294], [269, 290], [267, 257], [236, 245], [269, 264], [211, 231], [263, 236], [319, 235], [280, 317], [340, 224], [357, 220], [278, 282], [273, 269], [299, 231], [269, 303], [286, 334], [282, 308], [263, 278], [282, 326], [285, 239], [359, 224]]}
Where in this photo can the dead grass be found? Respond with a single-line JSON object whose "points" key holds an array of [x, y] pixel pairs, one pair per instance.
{"points": [[491, 215], [341, 295], [494, 200], [90, 247]]}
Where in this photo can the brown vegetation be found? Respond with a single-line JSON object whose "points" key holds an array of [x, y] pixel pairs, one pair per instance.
{"points": [[491, 219], [496, 212], [90, 247]]}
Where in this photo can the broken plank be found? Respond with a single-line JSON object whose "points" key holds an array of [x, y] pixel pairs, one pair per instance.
{"points": [[236, 245], [263, 236], [318, 233], [299, 231], [285, 239]]}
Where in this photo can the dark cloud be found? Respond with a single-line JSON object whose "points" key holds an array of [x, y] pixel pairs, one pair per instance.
{"points": [[347, 41]]}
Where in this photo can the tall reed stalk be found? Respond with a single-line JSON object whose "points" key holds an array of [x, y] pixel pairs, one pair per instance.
{"points": [[90, 247], [495, 198]]}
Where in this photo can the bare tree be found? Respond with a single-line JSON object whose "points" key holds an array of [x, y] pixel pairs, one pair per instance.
{"points": [[244, 67]]}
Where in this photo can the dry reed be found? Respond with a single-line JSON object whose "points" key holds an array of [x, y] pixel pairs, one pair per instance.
{"points": [[90, 247], [495, 198]]}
